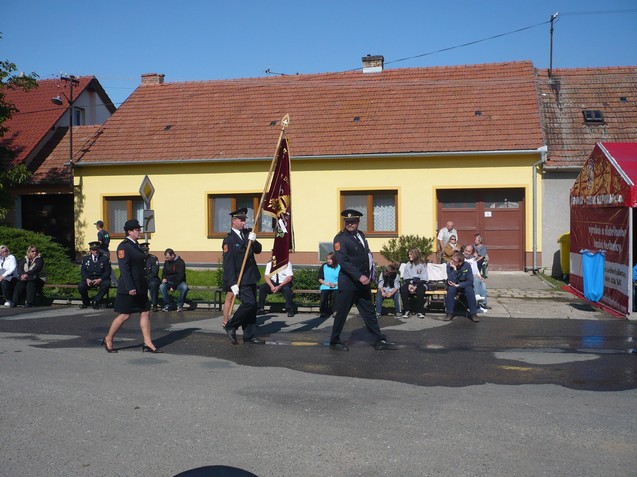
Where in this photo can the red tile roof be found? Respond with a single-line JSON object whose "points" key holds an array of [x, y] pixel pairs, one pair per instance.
{"points": [[37, 114], [456, 108], [50, 165], [568, 92]]}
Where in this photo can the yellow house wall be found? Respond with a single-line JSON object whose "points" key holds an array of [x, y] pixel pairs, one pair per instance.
{"points": [[181, 190]]}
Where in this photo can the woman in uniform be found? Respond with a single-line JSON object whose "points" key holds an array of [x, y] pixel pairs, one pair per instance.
{"points": [[132, 289]]}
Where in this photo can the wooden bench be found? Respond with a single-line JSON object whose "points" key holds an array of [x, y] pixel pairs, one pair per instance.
{"points": [[107, 295]]}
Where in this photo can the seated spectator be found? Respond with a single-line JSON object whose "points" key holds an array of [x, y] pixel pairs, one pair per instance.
{"points": [[388, 288], [31, 277], [414, 274], [482, 257], [278, 282], [447, 252], [173, 278], [152, 275], [328, 278], [8, 273], [96, 273], [479, 283], [460, 278]]}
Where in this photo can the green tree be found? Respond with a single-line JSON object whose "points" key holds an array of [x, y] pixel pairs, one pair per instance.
{"points": [[10, 175], [396, 250]]}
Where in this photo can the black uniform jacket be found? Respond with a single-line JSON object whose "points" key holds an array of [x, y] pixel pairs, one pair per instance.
{"points": [[101, 268], [353, 258], [234, 248], [132, 268], [152, 267]]}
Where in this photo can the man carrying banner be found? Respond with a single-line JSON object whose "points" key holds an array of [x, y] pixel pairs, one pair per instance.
{"points": [[355, 259], [235, 246]]}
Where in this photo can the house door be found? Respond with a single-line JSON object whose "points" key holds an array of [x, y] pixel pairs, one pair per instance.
{"points": [[497, 214]]}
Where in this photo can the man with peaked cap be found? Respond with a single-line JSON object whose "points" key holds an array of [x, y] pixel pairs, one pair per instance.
{"points": [[355, 259], [235, 245], [96, 273], [152, 274]]}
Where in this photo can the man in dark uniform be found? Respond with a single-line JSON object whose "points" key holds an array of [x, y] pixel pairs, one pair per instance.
{"points": [[152, 274], [96, 273], [105, 239], [355, 259], [235, 245]]}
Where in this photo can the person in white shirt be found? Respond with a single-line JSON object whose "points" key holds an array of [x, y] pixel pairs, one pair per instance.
{"points": [[8, 272], [414, 274], [280, 282], [479, 284], [444, 235]]}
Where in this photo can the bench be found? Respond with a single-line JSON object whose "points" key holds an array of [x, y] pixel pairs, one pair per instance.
{"points": [[107, 296]]}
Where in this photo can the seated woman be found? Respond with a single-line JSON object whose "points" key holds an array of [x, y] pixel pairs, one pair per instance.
{"points": [[447, 252], [30, 277], [328, 278], [460, 278], [388, 288], [414, 283]]}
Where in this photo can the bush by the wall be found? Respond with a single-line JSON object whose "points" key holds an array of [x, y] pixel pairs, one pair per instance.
{"points": [[59, 268], [396, 250]]}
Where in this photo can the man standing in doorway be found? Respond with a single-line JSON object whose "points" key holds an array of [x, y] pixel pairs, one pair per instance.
{"points": [[444, 235], [356, 261]]}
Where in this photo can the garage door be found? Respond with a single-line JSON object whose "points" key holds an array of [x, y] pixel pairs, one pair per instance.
{"points": [[497, 214]]}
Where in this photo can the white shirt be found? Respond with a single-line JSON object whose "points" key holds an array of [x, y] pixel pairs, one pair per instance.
{"points": [[444, 234], [8, 265], [280, 277]]}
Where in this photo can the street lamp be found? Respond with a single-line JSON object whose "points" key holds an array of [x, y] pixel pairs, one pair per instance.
{"points": [[73, 81]]}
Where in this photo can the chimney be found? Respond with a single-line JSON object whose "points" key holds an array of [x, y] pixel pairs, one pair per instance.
{"points": [[373, 64], [152, 78]]}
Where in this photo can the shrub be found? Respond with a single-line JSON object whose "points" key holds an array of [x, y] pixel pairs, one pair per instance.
{"points": [[396, 250], [59, 268]]}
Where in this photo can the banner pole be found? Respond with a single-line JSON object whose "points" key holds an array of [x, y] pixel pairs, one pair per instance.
{"points": [[284, 124]]}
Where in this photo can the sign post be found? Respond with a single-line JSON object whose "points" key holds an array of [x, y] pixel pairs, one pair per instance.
{"points": [[147, 190]]}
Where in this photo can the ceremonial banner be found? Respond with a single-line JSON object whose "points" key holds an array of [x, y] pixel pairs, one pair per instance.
{"points": [[278, 205]]}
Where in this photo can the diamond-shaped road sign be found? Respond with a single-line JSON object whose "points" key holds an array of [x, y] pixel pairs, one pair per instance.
{"points": [[147, 190]]}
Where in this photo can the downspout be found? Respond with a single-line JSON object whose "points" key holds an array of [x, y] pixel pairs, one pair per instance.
{"points": [[542, 150]]}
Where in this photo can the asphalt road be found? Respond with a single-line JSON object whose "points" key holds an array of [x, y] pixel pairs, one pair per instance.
{"points": [[511, 395]]}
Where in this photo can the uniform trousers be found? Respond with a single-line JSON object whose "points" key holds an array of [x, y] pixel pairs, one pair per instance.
{"points": [[102, 288], [246, 315], [361, 295], [265, 290], [153, 288]]}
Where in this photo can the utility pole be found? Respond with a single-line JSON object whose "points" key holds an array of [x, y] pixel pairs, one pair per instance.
{"points": [[553, 18]]}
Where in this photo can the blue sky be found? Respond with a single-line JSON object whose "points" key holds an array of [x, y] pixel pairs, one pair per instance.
{"points": [[118, 40]]}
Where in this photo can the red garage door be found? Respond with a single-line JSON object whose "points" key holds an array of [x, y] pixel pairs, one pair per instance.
{"points": [[497, 214]]}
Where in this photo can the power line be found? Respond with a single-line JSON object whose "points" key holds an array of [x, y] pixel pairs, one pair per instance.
{"points": [[468, 43]]}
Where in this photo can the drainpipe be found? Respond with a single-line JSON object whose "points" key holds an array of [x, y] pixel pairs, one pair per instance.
{"points": [[542, 150]]}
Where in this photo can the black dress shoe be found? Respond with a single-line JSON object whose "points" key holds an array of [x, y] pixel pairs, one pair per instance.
{"points": [[338, 347], [290, 314], [474, 318], [232, 334], [260, 311], [254, 340], [83, 306], [148, 349], [96, 305], [384, 344]]}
